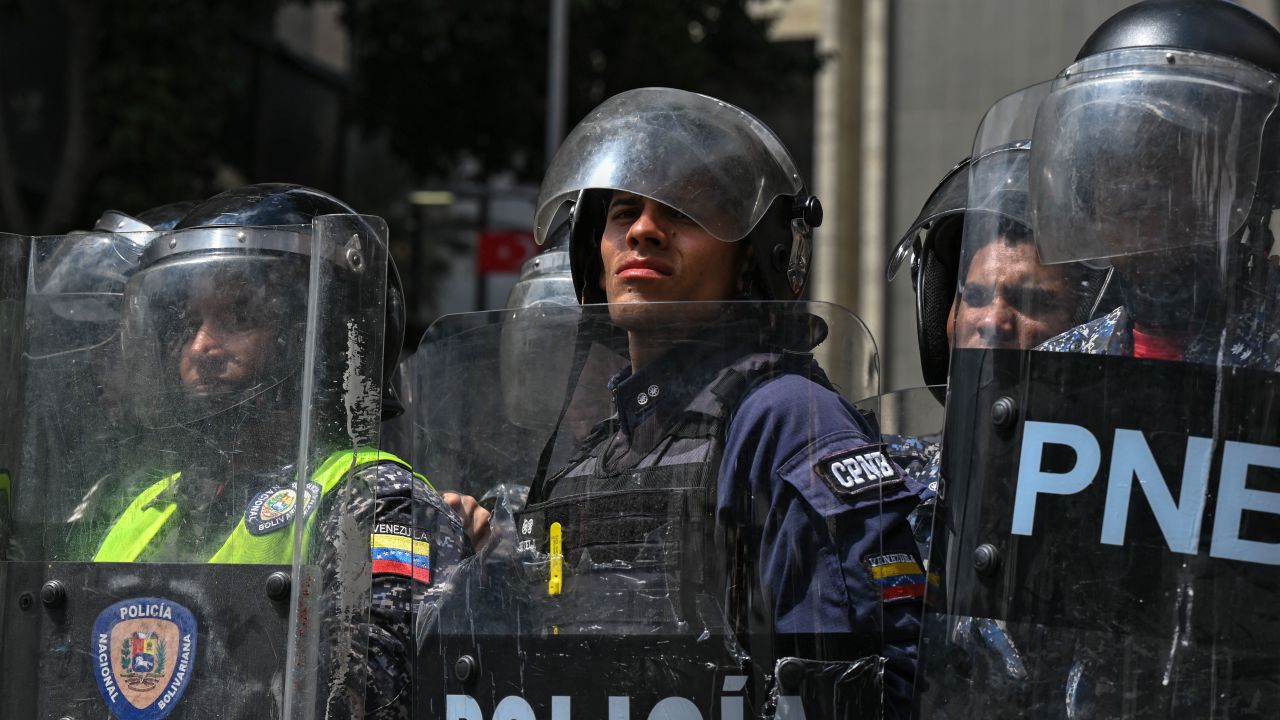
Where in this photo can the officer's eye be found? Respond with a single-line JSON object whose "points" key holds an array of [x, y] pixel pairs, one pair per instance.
{"points": [[977, 296], [623, 212], [1034, 301]]}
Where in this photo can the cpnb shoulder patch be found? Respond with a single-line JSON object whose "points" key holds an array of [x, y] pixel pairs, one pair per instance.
{"points": [[144, 651], [854, 472], [897, 575], [400, 550]]}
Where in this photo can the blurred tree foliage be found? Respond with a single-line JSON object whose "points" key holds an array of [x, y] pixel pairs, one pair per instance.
{"points": [[140, 102], [463, 84], [127, 111]]}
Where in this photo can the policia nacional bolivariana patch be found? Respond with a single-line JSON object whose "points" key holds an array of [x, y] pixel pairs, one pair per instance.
{"points": [[853, 473], [274, 508]]}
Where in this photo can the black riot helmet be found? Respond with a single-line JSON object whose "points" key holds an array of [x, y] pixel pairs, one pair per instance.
{"points": [[1161, 141], [240, 263], [705, 158], [933, 244], [984, 199]]}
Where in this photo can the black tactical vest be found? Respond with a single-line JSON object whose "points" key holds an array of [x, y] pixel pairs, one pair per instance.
{"points": [[641, 548]]}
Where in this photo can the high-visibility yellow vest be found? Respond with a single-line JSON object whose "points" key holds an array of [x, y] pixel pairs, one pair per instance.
{"points": [[146, 516]]}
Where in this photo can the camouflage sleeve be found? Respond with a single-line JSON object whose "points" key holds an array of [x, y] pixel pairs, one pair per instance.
{"points": [[407, 532]]}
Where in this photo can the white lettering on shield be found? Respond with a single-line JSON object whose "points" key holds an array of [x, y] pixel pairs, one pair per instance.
{"points": [[1180, 520]]}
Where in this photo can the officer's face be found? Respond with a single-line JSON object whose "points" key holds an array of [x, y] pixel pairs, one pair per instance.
{"points": [[1010, 300], [229, 345], [652, 252]]}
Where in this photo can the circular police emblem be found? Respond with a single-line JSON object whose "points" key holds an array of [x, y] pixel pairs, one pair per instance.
{"points": [[274, 508], [144, 652]]}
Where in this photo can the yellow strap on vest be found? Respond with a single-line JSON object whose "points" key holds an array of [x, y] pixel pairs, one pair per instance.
{"points": [[144, 518]]}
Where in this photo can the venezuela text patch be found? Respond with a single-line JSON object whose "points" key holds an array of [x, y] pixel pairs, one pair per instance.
{"points": [[898, 576], [400, 550]]}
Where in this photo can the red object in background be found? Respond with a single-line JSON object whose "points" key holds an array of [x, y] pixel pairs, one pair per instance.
{"points": [[503, 251]]}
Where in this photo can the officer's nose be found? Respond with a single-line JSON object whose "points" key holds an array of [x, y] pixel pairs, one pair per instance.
{"points": [[650, 228], [206, 342], [997, 326]]}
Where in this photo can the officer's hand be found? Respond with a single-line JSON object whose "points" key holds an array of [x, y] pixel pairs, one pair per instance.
{"points": [[475, 519]]}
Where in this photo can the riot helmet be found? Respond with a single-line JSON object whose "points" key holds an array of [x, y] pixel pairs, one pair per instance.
{"points": [[984, 202], [933, 244], [216, 317], [161, 217], [82, 281], [707, 159], [1156, 152], [542, 322], [546, 278]]}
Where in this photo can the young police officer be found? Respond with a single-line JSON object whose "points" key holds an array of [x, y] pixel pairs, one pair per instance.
{"points": [[691, 221]]}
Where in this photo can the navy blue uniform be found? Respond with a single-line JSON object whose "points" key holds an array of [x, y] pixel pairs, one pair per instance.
{"points": [[381, 671], [836, 553]]}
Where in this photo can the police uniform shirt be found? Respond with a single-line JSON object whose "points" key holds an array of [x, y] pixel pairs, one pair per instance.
{"points": [[833, 559], [1250, 337]]}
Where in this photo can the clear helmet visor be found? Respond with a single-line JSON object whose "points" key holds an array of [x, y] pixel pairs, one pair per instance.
{"points": [[77, 290], [949, 198], [706, 158], [210, 333], [1007, 296], [1142, 150]]}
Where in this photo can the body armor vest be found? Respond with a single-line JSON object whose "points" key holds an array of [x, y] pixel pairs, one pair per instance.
{"points": [[635, 544]]}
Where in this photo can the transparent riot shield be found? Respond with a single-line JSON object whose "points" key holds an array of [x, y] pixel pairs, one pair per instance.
{"points": [[346, 640], [911, 422], [15, 251], [1107, 534], [161, 386], [635, 517]]}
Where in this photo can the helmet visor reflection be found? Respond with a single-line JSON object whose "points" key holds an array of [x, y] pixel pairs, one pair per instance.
{"points": [[207, 334], [710, 160], [1130, 156]]}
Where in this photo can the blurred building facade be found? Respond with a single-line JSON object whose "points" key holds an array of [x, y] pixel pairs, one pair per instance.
{"points": [[902, 88], [898, 101]]}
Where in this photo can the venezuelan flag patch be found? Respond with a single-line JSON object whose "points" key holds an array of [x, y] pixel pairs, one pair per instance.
{"points": [[898, 575], [397, 550]]}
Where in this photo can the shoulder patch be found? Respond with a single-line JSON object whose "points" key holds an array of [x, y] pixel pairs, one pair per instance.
{"points": [[400, 550], [897, 575], [144, 652], [853, 472], [274, 508]]}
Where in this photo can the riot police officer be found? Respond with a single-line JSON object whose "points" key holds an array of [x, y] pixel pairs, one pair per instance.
{"points": [[689, 218], [1190, 259], [996, 293], [216, 324], [1151, 155]]}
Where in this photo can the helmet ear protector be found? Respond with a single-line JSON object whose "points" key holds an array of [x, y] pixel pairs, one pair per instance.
{"points": [[782, 245], [934, 272]]}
